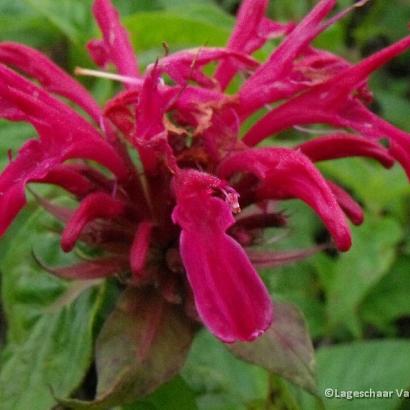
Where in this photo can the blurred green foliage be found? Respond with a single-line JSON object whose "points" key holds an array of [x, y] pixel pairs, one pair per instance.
{"points": [[357, 304]]}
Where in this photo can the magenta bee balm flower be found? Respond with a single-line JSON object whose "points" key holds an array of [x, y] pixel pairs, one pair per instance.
{"points": [[185, 219]]}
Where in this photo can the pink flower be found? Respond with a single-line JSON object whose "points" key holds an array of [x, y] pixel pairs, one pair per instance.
{"points": [[173, 220]]}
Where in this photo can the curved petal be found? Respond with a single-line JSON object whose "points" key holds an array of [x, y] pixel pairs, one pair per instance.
{"points": [[184, 66], [140, 248], [344, 145], [330, 102], [248, 21], [358, 117], [254, 92], [252, 30], [31, 163], [284, 174], [68, 178], [150, 137], [51, 77], [231, 299], [34, 162], [62, 130], [95, 205], [11, 202], [350, 207], [116, 42], [186, 101]]}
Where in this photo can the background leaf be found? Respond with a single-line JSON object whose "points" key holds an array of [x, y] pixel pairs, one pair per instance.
{"points": [[389, 299], [18, 22], [45, 352], [284, 349], [178, 29], [357, 271], [72, 17], [175, 394], [142, 345], [377, 365], [220, 381]]}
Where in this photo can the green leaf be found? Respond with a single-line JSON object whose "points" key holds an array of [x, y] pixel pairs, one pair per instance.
{"points": [[367, 179], [382, 19], [285, 349], [149, 30], [71, 17], [178, 3], [45, 352], [361, 366], [52, 360], [126, 7], [17, 23], [298, 282], [389, 299], [175, 394], [206, 12], [332, 39], [142, 345], [27, 290], [221, 381], [13, 135], [358, 270], [289, 10], [395, 107]]}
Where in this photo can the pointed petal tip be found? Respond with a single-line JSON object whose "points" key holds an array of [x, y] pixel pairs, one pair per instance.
{"points": [[96, 205], [116, 41], [286, 174], [249, 336], [344, 241]]}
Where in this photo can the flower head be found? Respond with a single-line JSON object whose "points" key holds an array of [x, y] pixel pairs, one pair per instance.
{"points": [[187, 217]]}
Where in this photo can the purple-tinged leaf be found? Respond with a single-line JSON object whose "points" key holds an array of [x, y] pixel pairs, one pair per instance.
{"points": [[59, 212], [88, 270], [280, 258], [285, 348], [69, 296], [143, 344]]}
